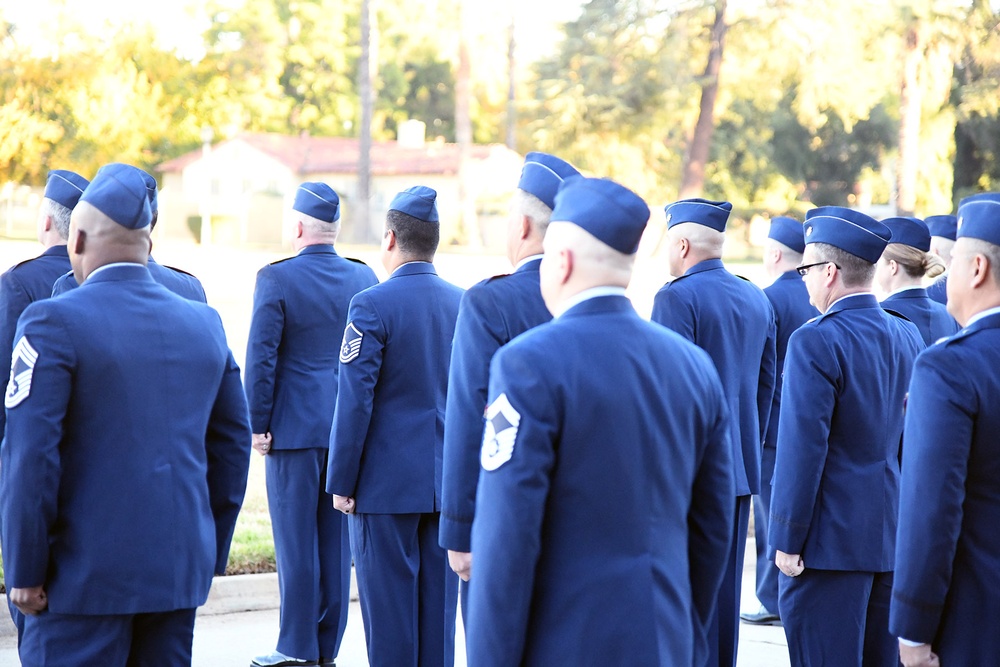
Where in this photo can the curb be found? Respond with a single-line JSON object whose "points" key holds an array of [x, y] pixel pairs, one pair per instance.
{"points": [[228, 595]]}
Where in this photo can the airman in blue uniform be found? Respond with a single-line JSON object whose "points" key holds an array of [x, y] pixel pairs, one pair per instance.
{"points": [[944, 600], [32, 279], [603, 516], [790, 300], [119, 496], [899, 272], [177, 281], [386, 444], [943, 229], [491, 315], [731, 319], [835, 494], [291, 385]]}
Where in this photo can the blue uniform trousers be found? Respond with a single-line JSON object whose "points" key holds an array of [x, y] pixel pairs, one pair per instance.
{"points": [[132, 640], [408, 591], [313, 553], [767, 571], [724, 628], [838, 619], [17, 617]]}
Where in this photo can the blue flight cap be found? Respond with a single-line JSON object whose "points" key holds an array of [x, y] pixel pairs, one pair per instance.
{"points": [[909, 231], [150, 191], [610, 212], [788, 231], [542, 175], [944, 226], [852, 231], [317, 200], [419, 202], [119, 192], [979, 217], [713, 214], [65, 187]]}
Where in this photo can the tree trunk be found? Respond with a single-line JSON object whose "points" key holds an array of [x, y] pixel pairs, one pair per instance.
{"points": [[693, 176], [910, 101], [467, 229], [367, 66]]}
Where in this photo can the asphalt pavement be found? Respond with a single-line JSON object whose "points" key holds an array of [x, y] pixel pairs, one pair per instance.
{"points": [[225, 636]]}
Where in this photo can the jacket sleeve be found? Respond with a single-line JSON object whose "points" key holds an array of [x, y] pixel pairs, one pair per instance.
{"points": [[710, 517], [227, 444], [30, 462], [670, 310], [13, 301], [356, 383], [511, 507], [266, 325], [808, 399], [938, 435], [478, 335], [767, 379]]}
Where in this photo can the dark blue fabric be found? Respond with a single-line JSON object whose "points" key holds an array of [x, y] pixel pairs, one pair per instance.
{"points": [[387, 440], [833, 617], [790, 301], [948, 550], [603, 539], [177, 281], [931, 318], [938, 290], [724, 628], [299, 312], [835, 495], [21, 285], [732, 320], [110, 481], [313, 554], [129, 640], [408, 592], [491, 315]]}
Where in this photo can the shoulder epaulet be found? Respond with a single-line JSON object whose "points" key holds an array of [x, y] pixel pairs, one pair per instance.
{"points": [[499, 276], [742, 277], [897, 314], [356, 261], [22, 263], [174, 268]]}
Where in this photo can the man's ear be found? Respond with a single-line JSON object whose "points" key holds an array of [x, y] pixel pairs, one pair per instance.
{"points": [[525, 227], [79, 241], [565, 266], [981, 269], [300, 229], [47, 224], [685, 247], [390, 239]]}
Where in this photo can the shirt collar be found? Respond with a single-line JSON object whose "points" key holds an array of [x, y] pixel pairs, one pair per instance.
{"points": [[108, 266], [529, 258], [980, 315], [905, 289]]}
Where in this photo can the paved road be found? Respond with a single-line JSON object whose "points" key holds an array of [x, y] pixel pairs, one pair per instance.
{"points": [[230, 640]]}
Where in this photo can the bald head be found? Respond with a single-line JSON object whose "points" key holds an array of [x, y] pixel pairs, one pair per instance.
{"points": [[96, 240], [575, 260], [690, 243]]}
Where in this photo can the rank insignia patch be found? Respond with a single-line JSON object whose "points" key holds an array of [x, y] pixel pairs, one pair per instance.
{"points": [[501, 432], [351, 347], [21, 367]]}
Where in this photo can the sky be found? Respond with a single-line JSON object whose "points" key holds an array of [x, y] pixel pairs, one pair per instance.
{"points": [[181, 22]]}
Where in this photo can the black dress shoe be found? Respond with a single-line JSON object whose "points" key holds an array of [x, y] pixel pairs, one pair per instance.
{"points": [[276, 659], [761, 617], [323, 662]]}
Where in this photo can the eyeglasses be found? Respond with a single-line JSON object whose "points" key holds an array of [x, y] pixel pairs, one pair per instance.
{"points": [[804, 269]]}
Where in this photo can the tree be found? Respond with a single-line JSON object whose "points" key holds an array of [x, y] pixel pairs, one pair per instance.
{"points": [[367, 64], [693, 174]]}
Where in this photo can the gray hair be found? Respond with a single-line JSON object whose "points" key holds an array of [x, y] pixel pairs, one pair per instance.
{"points": [[60, 216], [317, 227], [857, 272], [988, 250], [526, 204]]}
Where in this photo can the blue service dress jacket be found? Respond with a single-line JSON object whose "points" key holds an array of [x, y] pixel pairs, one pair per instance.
{"points": [[604, 513], [932, 318], [177, 281], [835, 496], [938, 290], [790, 301], [948, 549], [127, 448], [732, 320], [387, 439], [21, 285], [299, 312], [492, 313]]}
